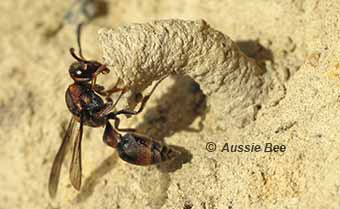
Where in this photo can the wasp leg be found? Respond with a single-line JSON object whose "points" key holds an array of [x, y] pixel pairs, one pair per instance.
{"points": [[117, 121], [102, 69], [107, 93], [112, 116], [143, 102], [141, 150], [105, 111]]}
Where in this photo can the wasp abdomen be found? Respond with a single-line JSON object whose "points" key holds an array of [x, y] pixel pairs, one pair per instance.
{"points": [[141, 150]]}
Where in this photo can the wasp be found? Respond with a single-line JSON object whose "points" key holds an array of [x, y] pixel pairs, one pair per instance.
{"points": [[91, 105]]}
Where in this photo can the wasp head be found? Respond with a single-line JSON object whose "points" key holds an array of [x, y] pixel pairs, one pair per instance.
{"points": [[84, 71]]}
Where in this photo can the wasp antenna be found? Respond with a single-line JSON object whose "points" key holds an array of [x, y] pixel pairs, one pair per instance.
{"points": [[79, 27], [80, 59]]}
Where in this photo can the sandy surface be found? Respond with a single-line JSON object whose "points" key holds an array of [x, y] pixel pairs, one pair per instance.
{"points": [[296, 42]]}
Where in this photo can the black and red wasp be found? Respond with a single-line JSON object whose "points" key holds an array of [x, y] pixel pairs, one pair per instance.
{"points": [[84, 99]]}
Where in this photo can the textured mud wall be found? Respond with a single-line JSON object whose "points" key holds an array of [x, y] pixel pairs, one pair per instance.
{"points": [[142, 53], [296, 46]]}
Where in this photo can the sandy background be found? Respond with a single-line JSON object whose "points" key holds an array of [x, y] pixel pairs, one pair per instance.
{"points": [[296, 40]]}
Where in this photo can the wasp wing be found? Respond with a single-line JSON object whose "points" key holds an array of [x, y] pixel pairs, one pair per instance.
{"points": [[59, 158], [75, 168]]}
